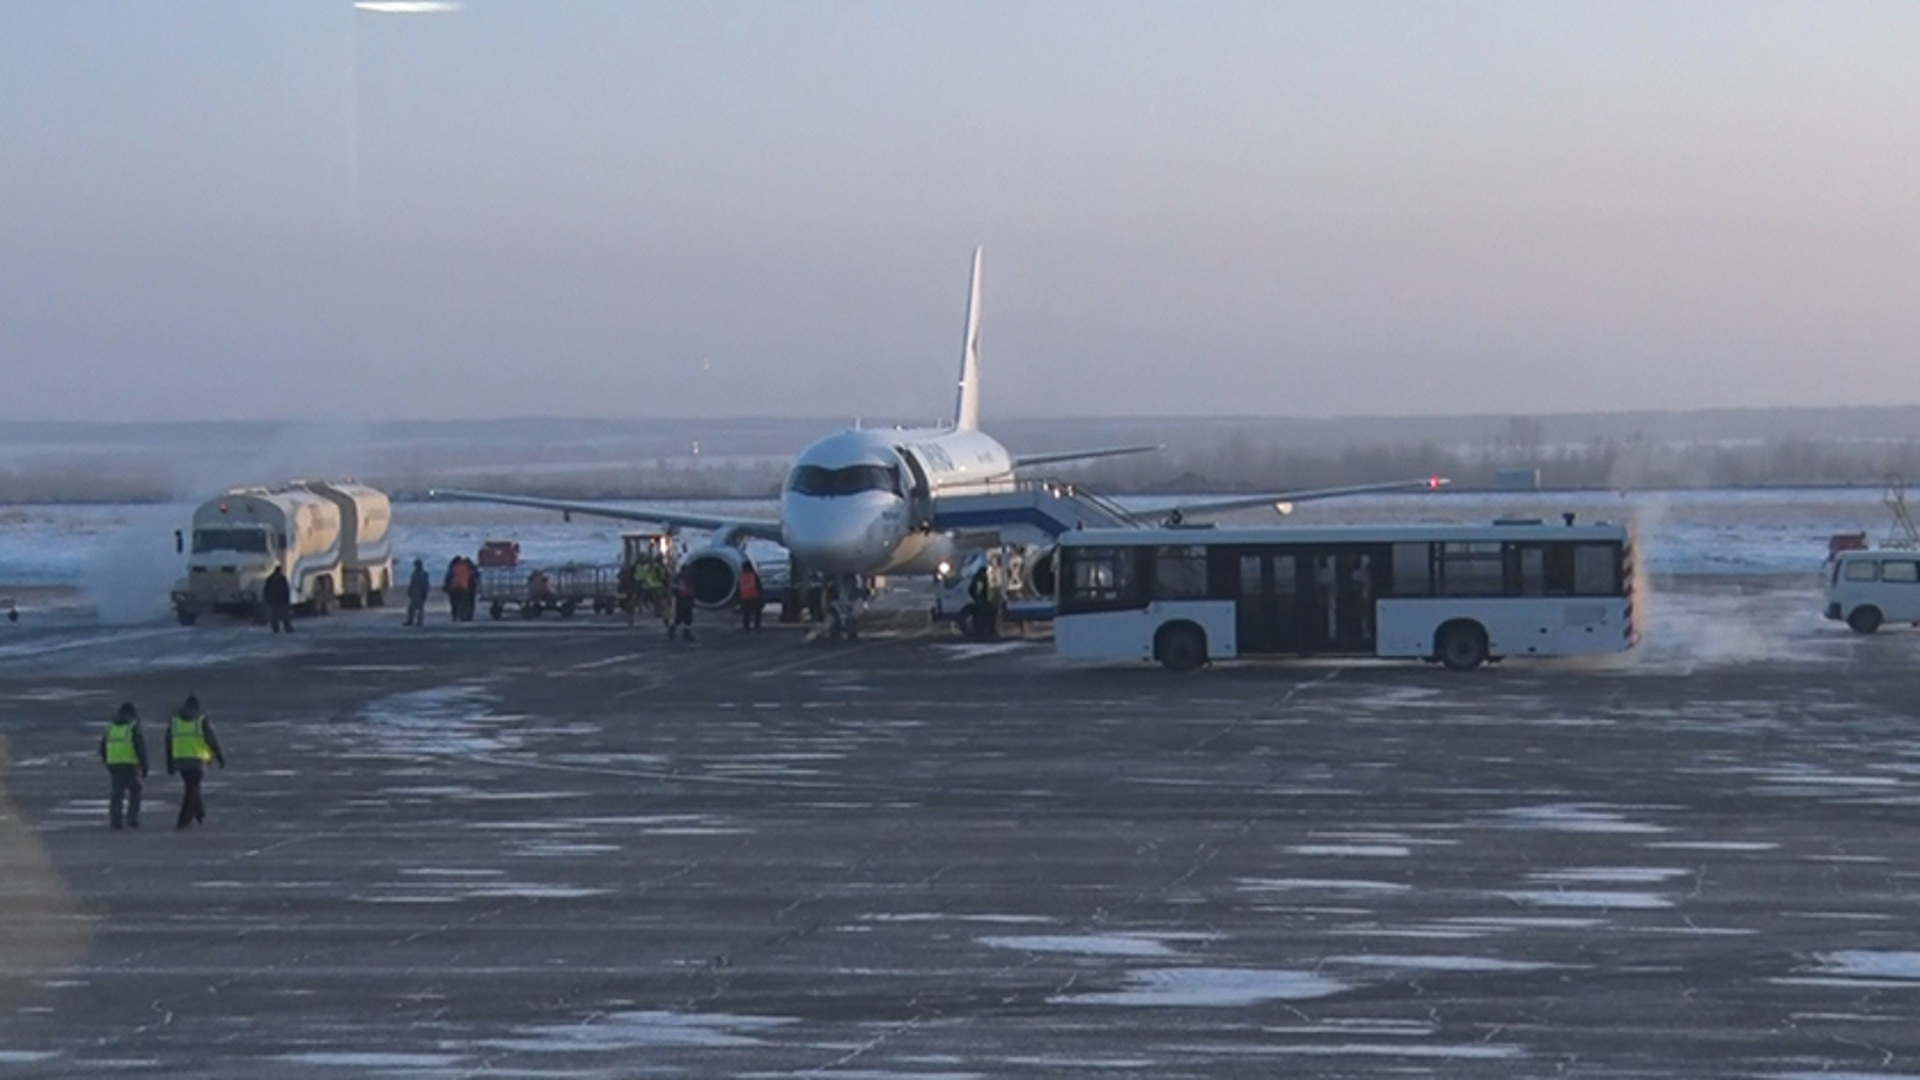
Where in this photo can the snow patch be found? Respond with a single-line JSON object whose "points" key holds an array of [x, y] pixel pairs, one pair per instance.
{"points": [[1210, 988]]}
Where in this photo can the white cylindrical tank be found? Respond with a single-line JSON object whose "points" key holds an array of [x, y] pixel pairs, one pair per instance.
{"points": [[365, 516], [366, 555]]}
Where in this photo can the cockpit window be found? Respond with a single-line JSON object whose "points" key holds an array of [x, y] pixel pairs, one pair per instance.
{"points": [[208, 540], [850, 480]]}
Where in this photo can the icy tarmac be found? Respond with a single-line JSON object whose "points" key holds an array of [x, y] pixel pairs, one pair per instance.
{"points": [[519, 849]]}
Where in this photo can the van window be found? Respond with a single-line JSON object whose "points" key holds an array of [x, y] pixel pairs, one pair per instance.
{"points": [[1860, 570], [1900, 571]]}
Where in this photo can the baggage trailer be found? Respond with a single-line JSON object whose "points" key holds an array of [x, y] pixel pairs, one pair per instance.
{"points": [[638, 580], [533, 591]]}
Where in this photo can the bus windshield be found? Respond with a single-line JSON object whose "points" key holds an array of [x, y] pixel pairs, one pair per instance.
{"points": [[850, 480], [251, 541]]}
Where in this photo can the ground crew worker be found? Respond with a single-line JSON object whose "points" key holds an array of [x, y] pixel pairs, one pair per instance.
{"points": [[682, 605], [191, 743], [752, 597], [455, 583], [651, 583], [124, 750], [419, 587], [277, 594]]}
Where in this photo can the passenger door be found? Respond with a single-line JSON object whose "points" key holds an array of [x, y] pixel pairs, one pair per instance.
{"points": [[1266, 601], [919, 494], [1337, 599]]}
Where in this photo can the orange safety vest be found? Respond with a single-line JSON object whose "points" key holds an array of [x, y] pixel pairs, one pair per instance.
{"points": [[749, 587]]}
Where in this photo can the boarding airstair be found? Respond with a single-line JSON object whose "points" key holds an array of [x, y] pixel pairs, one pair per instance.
{"points": [[1048, 507]]}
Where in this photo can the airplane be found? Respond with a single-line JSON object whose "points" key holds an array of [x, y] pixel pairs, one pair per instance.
{"points": [[861, 502]]}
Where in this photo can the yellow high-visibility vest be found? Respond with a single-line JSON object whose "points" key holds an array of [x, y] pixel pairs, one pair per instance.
{"points": [[189, 739], [120, 748]]}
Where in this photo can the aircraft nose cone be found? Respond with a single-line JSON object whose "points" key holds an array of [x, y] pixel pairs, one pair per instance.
{"points": [[846, 539]]}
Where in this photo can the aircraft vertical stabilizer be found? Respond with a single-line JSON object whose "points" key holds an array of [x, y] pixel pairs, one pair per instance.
{"points": [[966, 410]]}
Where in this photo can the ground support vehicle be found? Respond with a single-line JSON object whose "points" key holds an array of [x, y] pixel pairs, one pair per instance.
{"points": [[990, 593], [1869, 587], [238, 538], [1460, 595]]}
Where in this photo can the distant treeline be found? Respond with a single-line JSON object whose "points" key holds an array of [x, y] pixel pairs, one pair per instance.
{"points": [[1606, 464], [1191, 462]]}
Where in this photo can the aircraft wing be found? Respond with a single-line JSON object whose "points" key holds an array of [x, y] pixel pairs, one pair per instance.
{"points": [[758, 528], [1023, 461], [1282, 501]]}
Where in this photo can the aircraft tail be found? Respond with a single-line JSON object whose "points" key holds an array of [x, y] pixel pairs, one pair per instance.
{"points": [[966, 408]]}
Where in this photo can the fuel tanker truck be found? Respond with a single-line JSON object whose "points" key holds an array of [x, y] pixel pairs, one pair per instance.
{"points": [[240, 536], [366, 557]]}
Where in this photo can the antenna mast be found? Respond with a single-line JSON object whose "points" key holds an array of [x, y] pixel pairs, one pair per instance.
{"points": [[1905, 533]]}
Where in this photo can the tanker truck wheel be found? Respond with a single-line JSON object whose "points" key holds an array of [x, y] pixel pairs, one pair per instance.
{"points": [[496, 610]]}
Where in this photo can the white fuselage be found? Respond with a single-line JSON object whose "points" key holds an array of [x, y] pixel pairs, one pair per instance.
{"points": [[861, 502]]}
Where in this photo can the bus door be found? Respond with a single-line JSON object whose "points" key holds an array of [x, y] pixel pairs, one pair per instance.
{"points": [[1266, 601], [1337, 593]]}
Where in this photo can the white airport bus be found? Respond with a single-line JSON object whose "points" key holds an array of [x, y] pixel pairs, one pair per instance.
{"points": [[1457, 594]]}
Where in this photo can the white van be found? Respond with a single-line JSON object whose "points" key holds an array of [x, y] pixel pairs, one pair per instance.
{"points": [[1868, 588]]}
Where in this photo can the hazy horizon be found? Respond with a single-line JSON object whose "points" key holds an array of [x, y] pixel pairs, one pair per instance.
{"points": [[636, 211]]}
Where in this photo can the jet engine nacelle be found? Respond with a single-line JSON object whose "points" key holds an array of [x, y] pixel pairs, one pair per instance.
{"points": [[1038, 566], [716, 574]]}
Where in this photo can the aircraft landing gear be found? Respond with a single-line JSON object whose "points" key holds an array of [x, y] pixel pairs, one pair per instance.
{"points": [[845, 597]]}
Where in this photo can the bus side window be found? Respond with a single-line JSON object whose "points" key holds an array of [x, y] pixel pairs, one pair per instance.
{"points": [[1180, 573], [1412, 570], [1101, 577], [1471, 569], [1527, 567], [1900, 571], [1861, 570], [1560, 573], [1596, 569]]}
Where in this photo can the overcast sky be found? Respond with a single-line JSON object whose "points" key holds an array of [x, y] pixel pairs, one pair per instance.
{"points": [[625, 209]]}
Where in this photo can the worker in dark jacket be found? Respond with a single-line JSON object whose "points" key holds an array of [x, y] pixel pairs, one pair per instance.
{"points": [[419, 587], [683, 596], [278, 596], [191, 743], [123, 748]]}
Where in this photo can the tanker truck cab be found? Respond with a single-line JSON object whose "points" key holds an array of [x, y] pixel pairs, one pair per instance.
{"points": [[238, 540]]}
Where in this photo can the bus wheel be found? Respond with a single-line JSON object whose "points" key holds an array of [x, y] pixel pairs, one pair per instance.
{"points": [[1180, 647], [1462, 645], [1865, 619]]}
